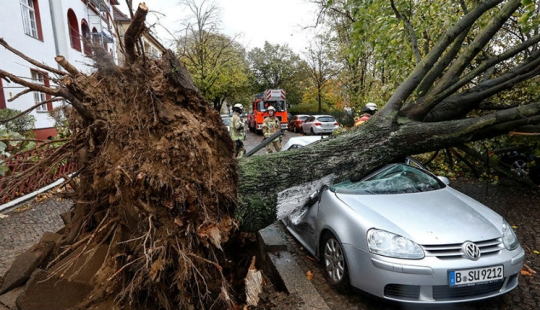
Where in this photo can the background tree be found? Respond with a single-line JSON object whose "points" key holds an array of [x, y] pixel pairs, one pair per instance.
{"points": [[321, 65], [216, 62], [23, 125], [277, 66]]}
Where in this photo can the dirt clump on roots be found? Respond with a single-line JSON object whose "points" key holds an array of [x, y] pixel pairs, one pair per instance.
{"points": [[157, 184]]}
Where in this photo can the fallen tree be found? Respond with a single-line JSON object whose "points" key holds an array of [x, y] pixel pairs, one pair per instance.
{"points": [[158, 184]]}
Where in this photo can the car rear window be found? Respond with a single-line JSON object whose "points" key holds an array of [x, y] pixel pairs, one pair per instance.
{"points": [[326, 119]]}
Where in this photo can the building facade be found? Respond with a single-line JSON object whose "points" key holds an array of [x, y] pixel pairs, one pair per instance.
{"points": [[151, 46], [43, 29]]}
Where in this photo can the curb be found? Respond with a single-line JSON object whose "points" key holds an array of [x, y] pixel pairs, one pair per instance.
{"points": [[15, 202], [284, 270]]}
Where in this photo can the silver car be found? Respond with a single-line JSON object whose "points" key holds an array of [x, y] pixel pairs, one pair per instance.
{"points": [[319, 124], [403, 234]]}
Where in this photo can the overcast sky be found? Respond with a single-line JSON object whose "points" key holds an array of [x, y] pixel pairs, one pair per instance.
{"points": [[275, 21]]}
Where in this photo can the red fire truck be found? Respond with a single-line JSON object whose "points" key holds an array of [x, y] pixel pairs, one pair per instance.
{"points": [[270, 97]]}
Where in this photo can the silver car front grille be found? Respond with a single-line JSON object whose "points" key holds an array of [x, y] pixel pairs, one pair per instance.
{"points": [[452, 251]]}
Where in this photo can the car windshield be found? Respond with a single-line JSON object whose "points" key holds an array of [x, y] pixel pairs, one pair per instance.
{"points": [[302, 118], [397, 179], [328, 119]]}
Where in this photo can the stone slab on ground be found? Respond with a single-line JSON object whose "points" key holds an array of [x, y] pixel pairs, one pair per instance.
{"points": [[45, 291], [9, 299], [290, 273], [25, 264]]}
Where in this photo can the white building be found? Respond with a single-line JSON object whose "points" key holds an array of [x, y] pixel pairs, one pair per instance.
{"points": [[43, 29]]}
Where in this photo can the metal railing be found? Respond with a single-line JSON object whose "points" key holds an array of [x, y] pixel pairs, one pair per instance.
{"points": [[21, 162]]}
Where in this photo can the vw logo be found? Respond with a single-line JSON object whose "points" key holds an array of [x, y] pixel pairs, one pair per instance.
{"points": [[471, 250]]}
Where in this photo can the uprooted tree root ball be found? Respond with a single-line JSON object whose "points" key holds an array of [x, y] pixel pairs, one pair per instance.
{"points": [[156, 185]]}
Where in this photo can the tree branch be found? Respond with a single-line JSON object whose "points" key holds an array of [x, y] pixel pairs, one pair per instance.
{"points": [[459, 65], [30, 60], [403, 92], [62, 92], [409, 27], [460, 104], [133, 33], [62, 61], [28, 110]]}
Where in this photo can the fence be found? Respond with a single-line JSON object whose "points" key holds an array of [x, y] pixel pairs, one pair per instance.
{"points": [[20, 162]]}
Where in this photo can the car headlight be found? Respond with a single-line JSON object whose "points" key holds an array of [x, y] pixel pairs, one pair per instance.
{"points": [[388, 244], [509, 237]]}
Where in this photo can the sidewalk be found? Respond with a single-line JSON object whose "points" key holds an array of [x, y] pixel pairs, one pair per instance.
{"points": [[25, 224]]}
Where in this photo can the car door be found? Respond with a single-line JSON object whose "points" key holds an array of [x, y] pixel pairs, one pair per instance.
{"points": [[307, 124]]}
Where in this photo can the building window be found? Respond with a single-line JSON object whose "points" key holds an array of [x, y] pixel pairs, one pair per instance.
{"points": [[95, 36], [40, 78], [86, 38], [31, 18], [74, 34]]}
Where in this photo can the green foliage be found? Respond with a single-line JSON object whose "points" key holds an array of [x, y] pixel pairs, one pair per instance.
{"points": [[23, 125], [61, 122], [217, 65], [11, 143], [13, 135], [277, 66]]}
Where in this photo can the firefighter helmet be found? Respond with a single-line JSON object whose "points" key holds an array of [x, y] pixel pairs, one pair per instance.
{"points": [[238, 108]]}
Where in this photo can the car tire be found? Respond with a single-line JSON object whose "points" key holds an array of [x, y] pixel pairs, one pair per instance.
{"points": [[518, 168], [335, 267]]}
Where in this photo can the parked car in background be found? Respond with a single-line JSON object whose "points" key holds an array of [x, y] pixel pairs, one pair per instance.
{"points": [[295, 123], [226, 118], [402, 234], [300, 141], [319, 124]]}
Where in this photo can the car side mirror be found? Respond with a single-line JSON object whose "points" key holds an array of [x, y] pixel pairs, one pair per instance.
{"points": [[445, 180], [313, 198]]}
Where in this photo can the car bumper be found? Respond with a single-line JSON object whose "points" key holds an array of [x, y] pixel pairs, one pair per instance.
{"points": [[427, 280], [319, 130]]}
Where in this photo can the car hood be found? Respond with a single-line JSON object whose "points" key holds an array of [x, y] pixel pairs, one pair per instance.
{"points": [[442, 216]]}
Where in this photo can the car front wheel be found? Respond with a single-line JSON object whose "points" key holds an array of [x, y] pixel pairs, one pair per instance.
{"points": [[519, 168], [335, 266]]}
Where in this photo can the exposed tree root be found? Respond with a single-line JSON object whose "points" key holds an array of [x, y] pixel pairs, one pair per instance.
{"points": [[157, 184]]}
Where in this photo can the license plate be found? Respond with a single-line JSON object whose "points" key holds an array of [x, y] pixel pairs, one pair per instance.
{"points": [[475, 276]]}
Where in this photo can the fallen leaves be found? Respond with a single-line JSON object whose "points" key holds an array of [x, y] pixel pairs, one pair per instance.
{"points": [[309, 275], [3, 216], [527, 271], [22, 208]]}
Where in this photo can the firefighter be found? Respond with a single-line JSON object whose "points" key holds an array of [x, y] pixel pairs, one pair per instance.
{"points": [[237, 131], [270, 126], [367, 112]]}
